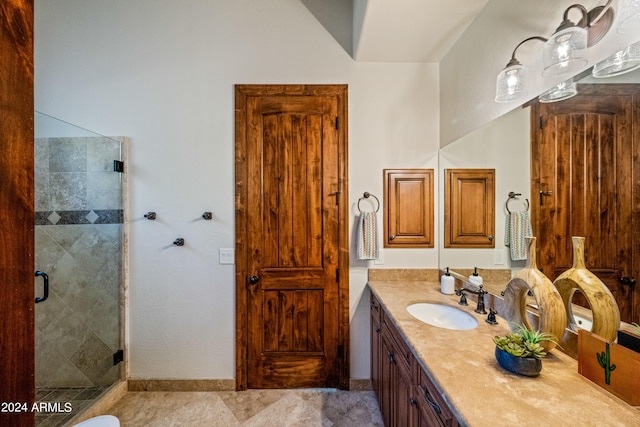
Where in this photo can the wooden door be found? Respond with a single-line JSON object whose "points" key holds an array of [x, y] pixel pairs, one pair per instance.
{"points": [[582, 156], [293, 231], [17, 342]]}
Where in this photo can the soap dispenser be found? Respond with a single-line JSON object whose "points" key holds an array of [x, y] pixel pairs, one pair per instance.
{"points": [[447, 283], [475, 278]]}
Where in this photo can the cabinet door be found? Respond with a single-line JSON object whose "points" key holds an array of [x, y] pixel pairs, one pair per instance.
{"points": [[408, 208], [376, 348], [432, 404], [388, 370], [469, 200]]}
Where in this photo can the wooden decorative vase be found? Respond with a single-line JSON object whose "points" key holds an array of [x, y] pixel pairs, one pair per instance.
{"points": [[551, 311], [604, 308]]}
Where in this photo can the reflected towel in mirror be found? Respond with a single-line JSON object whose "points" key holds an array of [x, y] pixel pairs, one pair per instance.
{"points": [[517, 227]]}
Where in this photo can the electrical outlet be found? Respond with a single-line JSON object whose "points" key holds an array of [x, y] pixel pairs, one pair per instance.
{"points": [[498, 256], [227, 256]]}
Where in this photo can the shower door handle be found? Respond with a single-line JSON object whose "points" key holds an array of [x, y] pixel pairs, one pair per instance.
{"points": [[46, 286]]}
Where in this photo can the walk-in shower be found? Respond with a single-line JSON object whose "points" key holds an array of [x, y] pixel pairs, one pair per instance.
{"points": [[79, 235]]}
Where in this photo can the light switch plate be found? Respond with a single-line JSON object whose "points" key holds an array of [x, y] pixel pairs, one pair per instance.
{"points": [[498, 256], [227, 256]]}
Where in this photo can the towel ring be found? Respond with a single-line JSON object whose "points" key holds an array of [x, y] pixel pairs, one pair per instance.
{"points": [[366, 195], [513, 196]]}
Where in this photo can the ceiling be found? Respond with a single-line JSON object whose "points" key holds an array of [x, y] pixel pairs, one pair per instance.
{"points": [[396, 30]]}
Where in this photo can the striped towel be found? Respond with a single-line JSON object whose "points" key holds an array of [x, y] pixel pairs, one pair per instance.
{"points": [[517, 227], [367, 246]]}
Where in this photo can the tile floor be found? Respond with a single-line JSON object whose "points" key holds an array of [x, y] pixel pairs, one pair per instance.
{"points": [[80, 398], [273, 408]]}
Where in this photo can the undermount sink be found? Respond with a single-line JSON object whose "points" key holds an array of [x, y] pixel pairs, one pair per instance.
{"points": [[442, 316]]}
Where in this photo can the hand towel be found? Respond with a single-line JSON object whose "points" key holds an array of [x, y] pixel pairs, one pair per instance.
{"points": [[517, 227], [367, 245]]}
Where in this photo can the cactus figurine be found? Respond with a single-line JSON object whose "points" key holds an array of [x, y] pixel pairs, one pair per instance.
{"points": [[604, 359]]}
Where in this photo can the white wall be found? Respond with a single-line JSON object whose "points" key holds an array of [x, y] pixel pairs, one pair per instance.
{"points": [[162, 73]]}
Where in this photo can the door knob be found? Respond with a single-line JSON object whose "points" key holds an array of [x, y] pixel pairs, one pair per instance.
{"points": [[254, 279]]}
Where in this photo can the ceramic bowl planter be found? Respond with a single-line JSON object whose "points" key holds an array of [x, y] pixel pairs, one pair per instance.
{"points": [[527, 366]]}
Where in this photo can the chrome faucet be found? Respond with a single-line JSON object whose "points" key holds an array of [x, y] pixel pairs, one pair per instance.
{"points": [[480, 293]]}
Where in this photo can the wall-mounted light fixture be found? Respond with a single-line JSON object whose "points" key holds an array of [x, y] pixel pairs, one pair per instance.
{"points": [[623, 61], [512, 81], [563, 90], [564, 53]]}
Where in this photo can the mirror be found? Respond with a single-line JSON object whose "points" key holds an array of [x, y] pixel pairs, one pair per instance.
{"points": [[503, 145]]}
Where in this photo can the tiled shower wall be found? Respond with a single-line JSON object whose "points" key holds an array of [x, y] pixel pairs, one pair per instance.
{"points": [[79, 235]]}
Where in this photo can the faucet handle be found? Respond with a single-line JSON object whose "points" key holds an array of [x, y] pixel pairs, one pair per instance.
{"points": [[491, 318], [463, 299]]}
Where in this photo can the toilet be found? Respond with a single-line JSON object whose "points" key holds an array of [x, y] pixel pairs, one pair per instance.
{"points": [[100, 421]]}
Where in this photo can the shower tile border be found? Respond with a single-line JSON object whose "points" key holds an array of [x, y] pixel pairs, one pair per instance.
{"points": [[99, 216]]}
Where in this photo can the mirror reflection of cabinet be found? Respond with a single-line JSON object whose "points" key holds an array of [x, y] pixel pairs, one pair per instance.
{"points": [[469, 208], [408, 208]]}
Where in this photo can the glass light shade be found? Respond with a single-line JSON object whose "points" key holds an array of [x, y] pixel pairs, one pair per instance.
{"points": [[629, 20], [565, 52], [563, 90], [511, 83], [621, 62]]}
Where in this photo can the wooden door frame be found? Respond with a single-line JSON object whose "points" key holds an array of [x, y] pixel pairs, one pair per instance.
{"points": [[242, 92], [17, 340], [630, 89]]}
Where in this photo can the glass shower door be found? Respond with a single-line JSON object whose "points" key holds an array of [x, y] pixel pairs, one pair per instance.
{"points": [[79, 246]]}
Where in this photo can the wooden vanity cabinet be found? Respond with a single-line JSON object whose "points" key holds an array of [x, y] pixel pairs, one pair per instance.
{"points": [[406, 395], [376, 346], [432, 406]]}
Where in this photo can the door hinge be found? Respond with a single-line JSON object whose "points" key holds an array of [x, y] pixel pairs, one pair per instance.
{"points": [[337, 275], [118, 166], [118, 356], [541, 120], [337, 122]]}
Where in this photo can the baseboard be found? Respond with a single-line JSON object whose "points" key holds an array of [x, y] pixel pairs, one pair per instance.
{"points": [[182, 385], [360, 384]]}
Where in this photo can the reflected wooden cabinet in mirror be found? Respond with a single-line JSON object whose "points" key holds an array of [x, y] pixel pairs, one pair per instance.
{"points": [[469, 208]]}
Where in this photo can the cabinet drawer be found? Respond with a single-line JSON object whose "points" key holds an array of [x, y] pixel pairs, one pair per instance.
{"points": [[430, 399], [403, 355]]}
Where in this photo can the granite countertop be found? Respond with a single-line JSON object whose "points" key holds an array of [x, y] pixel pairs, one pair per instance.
{"points": [[463, 366]]}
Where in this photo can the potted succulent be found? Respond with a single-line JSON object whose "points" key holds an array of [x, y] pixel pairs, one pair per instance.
{"points": [[630, 340], [520, 352]]}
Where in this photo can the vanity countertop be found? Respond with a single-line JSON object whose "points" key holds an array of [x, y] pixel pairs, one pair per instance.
{"points": [[463, 366]]}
